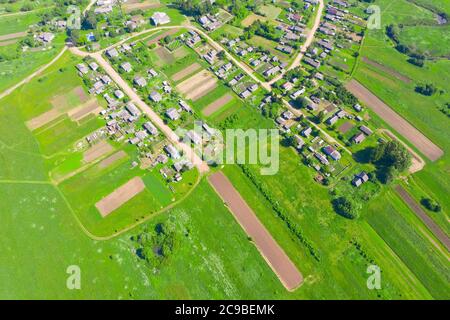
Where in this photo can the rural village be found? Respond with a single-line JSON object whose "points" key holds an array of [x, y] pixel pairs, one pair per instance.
{"points": [[145, 84]]}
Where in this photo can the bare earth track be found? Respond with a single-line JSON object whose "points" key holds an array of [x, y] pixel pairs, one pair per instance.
{"points": [[278, 260], [386, 69], [414, 206], [425, 145]]}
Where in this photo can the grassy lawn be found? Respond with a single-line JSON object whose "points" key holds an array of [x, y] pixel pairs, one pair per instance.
{"points": [[434, 40], [423, 112], [405, 239]]}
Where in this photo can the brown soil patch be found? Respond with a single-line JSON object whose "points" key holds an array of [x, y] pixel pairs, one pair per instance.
{"points": [[426, 146], [119, 196], [248, 21], [112, 158], [216, 105], [198, 85], [43, 119], [97, 151], [84, 110], [165, 55], [132, 5], [81, 94], [13, 36], [421, 214], [345, 127], [8, 42], [278, 260], [63, 102], [388, 70], [161, 36], [186, 72]]}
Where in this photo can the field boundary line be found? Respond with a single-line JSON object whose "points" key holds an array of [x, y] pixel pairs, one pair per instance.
{"points": [[432, 226], [132, 226]]}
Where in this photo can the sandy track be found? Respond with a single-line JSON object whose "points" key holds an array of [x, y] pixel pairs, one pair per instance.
{"points": [[119, 196], [426, 146], [415, 207], [186, 72], [280, 263], [216, 105]]}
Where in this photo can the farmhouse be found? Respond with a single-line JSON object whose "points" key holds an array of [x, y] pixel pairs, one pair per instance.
{"points": [[245, 94], [172, 151], [119, 94], [321, 158], [366, 130], [271, 71], [360, 179], [173, 114], [159, 18], [332, 120], [132, 109], [150, 128], [112, 53], [184, 106], [306, 132], [333, 153], [194, 137], [312, 62], [126, 66], [357, 107], [140, 81], [155, 96], [82, 68], [288, 115], [297, 93], [45, 37], [93, 66], [358, 138]]}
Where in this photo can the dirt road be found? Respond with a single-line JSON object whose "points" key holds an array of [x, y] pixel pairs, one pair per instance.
{"points": [[417, 209], [31, 76], [280, 263], [403, 127], [309, 40]]}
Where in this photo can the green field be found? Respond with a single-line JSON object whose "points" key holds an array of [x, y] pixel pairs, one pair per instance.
{"points": [[179, 240], [423, 112]]}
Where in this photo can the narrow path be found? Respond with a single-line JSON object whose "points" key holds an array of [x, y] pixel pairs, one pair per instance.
{"points": [[31, 76], [43, 68]]}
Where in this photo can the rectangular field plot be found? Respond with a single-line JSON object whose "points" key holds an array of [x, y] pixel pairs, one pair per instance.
{"points": [[217, 104], [186, 72], [119, 196], [198, 85]]}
